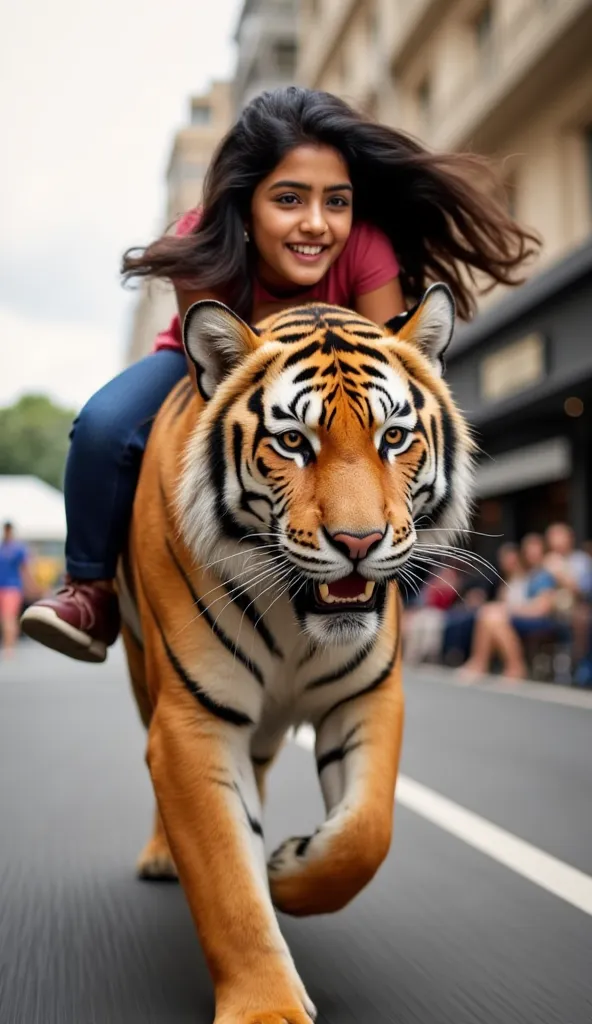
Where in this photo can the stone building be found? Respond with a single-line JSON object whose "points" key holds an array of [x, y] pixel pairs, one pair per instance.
{"points": [[210, 116], [511, 79]]}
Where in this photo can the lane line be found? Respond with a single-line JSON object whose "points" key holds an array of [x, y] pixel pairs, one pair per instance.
{"points": [[551, 874], [550, 693]]}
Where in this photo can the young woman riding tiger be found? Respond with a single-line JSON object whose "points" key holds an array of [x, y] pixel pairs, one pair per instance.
{"points": [[279, 498]]}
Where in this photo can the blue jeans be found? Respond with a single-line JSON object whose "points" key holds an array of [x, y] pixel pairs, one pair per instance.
{"points": [[108, 441]]}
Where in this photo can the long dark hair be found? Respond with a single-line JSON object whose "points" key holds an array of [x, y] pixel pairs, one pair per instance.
{"points": [[439, 210]]}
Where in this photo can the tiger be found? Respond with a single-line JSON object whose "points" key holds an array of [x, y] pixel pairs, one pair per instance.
{"points": [[277, 505]]}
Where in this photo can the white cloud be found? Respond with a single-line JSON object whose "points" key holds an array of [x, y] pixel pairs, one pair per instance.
{"points": [[91, 96], [66, 361]]}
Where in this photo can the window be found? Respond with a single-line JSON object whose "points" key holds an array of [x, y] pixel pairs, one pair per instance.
{"points": [[201, 113], [483, 28], [373, 27], [424, 100], [285, 57], [511, 191], [588, 142]]}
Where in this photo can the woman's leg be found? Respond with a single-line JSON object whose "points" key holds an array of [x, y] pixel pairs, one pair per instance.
{"points": [[11, 600], [495, 634], [108, 441]]}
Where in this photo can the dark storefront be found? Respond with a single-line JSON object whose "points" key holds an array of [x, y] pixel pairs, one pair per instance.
{"points": [[522, 372]]}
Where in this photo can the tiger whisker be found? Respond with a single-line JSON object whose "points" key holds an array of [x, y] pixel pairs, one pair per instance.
{"points": [[269, 571], [461, 555], [287, 572]]}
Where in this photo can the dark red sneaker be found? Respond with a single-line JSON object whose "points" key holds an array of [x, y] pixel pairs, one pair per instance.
{"points": [[80, 620]]}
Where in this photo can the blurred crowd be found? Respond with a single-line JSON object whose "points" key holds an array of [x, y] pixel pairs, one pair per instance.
{"points": [[530, 618]]}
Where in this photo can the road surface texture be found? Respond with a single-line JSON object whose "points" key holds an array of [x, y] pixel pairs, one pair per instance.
{"points": [[464, 924]]}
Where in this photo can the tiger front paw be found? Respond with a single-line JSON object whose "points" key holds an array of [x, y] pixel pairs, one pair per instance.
{"points": [[319, 874]]}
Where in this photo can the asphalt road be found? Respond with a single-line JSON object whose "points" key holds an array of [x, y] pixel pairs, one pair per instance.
{"points": [[446, 934]]}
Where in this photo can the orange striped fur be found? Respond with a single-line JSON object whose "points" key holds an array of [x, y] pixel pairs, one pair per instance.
{"points": [[274, 512]]}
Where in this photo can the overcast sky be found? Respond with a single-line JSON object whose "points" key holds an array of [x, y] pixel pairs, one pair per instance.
{"points": [[91, 94]]}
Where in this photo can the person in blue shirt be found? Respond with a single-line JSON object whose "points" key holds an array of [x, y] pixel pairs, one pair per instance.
{"points": [[501, 626], [13, 574]]}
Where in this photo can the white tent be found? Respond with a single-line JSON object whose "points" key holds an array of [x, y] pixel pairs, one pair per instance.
{"points": [[35, 509]]}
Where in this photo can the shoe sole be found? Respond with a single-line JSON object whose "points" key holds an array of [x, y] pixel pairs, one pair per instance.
{"points": [[43, 625]]}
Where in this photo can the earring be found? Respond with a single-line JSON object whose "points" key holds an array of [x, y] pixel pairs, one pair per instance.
{"points": [[247, 236]]}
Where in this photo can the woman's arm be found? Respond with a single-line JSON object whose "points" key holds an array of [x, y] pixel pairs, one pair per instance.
{"points": [[383, 303], [186, 298]]}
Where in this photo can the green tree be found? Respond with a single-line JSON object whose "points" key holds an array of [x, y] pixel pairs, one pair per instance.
{"points": [[34, 438]]}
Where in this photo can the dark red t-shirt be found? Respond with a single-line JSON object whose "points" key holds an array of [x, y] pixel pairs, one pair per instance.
{"points": [[366, 262]]}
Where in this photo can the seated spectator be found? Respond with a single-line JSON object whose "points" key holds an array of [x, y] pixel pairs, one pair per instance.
{"points": [[423, 623], [460, 620], [572, 571], [501, 625]]}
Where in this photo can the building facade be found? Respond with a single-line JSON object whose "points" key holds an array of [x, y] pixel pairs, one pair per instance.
{"points": [[511, 79], [266, 36], [210, 116]]}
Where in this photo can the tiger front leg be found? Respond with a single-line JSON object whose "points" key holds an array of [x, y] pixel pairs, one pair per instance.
{"points": [[357, 751], [207, 795]]}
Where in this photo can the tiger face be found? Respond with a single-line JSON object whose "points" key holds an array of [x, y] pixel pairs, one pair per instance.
{"points": [[323, 441]]}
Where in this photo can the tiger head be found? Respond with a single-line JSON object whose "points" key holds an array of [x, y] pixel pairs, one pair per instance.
{"points": [[323, 441]]}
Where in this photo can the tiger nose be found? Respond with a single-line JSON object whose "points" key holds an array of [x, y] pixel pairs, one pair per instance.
{"points": [[358, 547]]}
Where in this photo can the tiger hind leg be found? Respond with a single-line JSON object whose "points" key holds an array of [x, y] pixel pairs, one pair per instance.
{"points": [[155, 861]]}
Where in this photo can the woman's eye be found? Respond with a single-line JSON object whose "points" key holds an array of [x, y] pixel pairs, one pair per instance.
{"points": [[338, 201], [288, 200], [292, 439], [394, 436]]}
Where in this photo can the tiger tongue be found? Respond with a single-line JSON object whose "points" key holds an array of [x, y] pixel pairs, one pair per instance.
{"points": [[350, 586]]}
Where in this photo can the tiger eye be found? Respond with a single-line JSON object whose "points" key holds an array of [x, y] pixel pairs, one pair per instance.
{"points": [[292, 439], [394, 435]]}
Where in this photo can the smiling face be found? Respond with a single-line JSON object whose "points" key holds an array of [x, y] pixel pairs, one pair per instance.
{"points": [[324, 452], [301, 217]]}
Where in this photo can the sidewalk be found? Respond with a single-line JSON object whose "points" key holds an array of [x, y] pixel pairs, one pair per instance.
{"points": [[554, 693]]}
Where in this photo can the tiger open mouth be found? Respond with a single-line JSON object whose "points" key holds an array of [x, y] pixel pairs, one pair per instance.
{"points": [[352, 592]]}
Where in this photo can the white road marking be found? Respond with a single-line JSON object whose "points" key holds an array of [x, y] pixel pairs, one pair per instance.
{"points": [[564, 881], [548, 692]]}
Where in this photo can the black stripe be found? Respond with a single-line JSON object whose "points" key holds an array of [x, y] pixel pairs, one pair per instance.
{"points": [[179, 391], [334, 343], [371, 686], [417, 395], [217, 472], [339, 753], [305, 374], [216, 629], [221, 711], [334, 677], [303, 353], [254, 824], [260, 374], [260, 762], [372, 371], [280, 414], [346, 368], [246, 604], [183, 403], [303, 846]]}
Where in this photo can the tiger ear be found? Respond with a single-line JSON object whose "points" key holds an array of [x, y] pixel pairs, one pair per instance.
{"points": [[215, 339], [429, 325]]}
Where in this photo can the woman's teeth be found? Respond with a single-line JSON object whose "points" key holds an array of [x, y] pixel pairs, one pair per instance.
{"points": [[307, 250]]}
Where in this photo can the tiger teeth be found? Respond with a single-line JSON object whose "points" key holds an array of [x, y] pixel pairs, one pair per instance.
{"points": [[328, 598]]}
